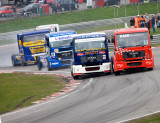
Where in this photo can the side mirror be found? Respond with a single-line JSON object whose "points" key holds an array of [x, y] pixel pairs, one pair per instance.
{"points": [[151, 37], [109, 40], [113, 40], [71, 44]]}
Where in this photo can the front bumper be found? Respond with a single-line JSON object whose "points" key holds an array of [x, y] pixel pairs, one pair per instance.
{"points": [[79, 69], [53, 63], [121, 65]]}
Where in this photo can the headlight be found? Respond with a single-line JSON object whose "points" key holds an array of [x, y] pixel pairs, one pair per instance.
{"points": [[53, 55]]}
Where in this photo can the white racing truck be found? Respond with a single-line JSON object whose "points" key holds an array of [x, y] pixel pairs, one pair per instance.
{"points": [[49, 27]]}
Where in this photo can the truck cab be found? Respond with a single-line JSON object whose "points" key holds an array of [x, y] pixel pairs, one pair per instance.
{"points": [[132, 50], [58, 50], [49, 27], [90, 54], [30, 45]]}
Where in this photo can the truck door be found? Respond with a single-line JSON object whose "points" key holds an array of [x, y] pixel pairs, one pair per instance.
{"points": [[47, 45], [20, 43]]}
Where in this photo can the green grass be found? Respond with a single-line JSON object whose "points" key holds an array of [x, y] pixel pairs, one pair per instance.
{"points": [[75, 17], [101, 28], [149, 119], [16, 87], [155, 45]]}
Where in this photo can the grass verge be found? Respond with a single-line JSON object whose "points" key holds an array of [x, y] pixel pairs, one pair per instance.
{"points": [[155, 118], [76, 17], [101, 28], [19, 90]]}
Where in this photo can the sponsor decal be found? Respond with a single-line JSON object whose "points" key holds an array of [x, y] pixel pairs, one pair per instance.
{"points": [[90, 36], [125, 35], [56, 50], [83, 50], [37, 49], [92, 52], [33, 43], [63, 38], [55, 63]]}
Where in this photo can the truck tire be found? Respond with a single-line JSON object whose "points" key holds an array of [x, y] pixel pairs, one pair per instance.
{"points": [[49, 69], [112, 65], [13, 61], [117, 73], [149, 69], [3, 15], [23, 63], [74, 77], [39, 63]]}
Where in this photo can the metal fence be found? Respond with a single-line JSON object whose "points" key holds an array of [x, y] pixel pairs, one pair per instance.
{"points": [[117, 6]]}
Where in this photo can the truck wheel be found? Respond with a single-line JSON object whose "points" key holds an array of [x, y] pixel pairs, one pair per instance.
{"points": [[117, 73], [62, 9], [13, 61], [112, 65], [39, 63], [149, 69], [74, 77], [23, 63], [48, 66], [3, 15]]}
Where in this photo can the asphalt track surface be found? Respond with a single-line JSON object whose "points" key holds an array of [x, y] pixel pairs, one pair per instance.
{"points": [[98, 99]]}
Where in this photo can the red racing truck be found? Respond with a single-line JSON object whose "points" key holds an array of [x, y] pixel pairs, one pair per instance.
{"points": [[132, 50]]}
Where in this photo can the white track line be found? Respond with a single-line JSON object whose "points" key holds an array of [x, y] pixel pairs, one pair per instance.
{"points": [[0, 119], [138, 117], [55, 100]]}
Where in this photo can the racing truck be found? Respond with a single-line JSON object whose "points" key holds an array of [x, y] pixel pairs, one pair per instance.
{"points": [[58, 50], [90, 54], [30, 45], [132, 50], [50, 27]]}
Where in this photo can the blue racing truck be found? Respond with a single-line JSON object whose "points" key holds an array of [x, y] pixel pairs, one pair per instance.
{"points": [[30, 46], [58, 50], [90, 54]]}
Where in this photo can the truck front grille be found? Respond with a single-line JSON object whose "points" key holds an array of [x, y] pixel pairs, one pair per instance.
{"points": [[91, 59], [92, 68], [134, 64], [64, 55], [134, 54], [66, 62]]}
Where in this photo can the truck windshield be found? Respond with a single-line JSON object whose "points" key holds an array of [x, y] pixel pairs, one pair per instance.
{"points": [[61, 43], [33, 37], [88, 44], [132, 39]]}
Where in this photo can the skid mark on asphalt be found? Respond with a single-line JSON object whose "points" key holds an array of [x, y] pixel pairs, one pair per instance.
{"points": [[8, 45]]}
